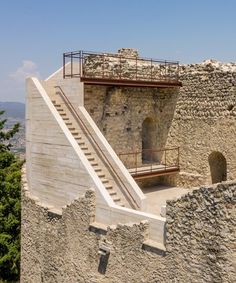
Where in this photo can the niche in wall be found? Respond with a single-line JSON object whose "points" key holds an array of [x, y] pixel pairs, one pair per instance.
{"points": [[218, 167], [149, 129]]}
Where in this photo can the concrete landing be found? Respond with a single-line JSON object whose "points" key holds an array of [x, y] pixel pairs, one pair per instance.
{"points": [[158, 195]]}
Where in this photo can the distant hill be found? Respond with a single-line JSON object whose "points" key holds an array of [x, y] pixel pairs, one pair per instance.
{"points": [[13, 109]]}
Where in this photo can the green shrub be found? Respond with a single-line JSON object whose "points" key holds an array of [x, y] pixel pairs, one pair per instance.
{"points": [[10, 187]]}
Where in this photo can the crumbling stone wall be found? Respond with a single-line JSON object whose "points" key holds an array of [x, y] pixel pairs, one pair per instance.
{"points": [[200, 242], [205, 120], [199, 117], [201, 234]]}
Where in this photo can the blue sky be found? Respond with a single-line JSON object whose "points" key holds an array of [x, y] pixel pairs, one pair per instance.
{"points": [[34, 34]]}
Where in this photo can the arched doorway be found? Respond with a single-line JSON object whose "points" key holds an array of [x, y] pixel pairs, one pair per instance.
{"points": [[218, 167], [148, 140]]}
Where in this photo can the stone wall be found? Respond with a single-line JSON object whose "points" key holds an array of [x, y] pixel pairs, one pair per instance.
{"points": [[200, 242], [199, 117], [120, 112], [205, 120], [201, 234]]}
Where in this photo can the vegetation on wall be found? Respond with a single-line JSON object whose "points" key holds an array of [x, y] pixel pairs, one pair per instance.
{"points": [[10, 184]]}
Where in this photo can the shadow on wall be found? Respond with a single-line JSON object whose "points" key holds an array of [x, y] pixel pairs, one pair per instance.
{"points": [[218, 167], [156, 126], [164, 105], [133, 119]]}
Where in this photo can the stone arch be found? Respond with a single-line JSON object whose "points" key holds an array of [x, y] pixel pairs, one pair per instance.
{"points": [[148, 139], [218, 167]]}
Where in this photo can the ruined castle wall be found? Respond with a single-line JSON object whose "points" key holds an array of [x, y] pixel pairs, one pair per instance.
{"points": [[200, 242], [200, 118], [201, 234], [205, 119], [120, 112]]}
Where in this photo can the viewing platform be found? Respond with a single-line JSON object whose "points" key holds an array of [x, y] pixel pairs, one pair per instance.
{"points": [[151, 162], [124, 68]]}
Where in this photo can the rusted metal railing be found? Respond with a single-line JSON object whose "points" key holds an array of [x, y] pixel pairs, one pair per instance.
{"points": [[92, 65], [151, 160]]}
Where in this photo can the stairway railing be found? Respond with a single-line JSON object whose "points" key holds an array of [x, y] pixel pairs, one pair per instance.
{"points": [[129, 197]]}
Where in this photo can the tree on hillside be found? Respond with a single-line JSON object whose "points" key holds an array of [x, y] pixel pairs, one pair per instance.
{"points": [[5, 136], [10, 184]]}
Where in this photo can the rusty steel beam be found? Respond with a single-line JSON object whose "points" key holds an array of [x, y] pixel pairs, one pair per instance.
{"points": [[131, 83], [151, 174]]}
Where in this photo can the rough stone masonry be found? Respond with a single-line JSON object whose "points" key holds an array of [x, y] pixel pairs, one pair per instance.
{"points": [[200, 242], [200, 118]]}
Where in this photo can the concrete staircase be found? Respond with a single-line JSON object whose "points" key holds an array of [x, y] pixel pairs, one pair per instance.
{"points": [[90, 153]]}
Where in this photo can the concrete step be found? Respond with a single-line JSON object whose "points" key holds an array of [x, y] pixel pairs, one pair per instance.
{"points": [[116, 198], [68, 123], [66, 118], [104, 181], [94, 163], [112, 192], [84, 147], [101, 175], [120, 203], [98, 169], [60, 109], [75, 133], [87, 153], [71, 129], [91, 158], [63, 114], [108, 187]]}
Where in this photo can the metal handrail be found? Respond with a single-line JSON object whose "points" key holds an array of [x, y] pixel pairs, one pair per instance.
{"points": [[151, 63], [80, 53], [138, 168], [76, 115], [151, 149]]}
